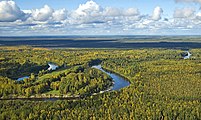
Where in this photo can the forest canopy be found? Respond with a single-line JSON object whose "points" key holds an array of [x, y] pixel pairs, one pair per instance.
{"points": [[163, 84]]}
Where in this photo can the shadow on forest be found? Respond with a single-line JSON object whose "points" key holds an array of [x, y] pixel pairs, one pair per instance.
{"points": [[16, 70], [99, 44]]}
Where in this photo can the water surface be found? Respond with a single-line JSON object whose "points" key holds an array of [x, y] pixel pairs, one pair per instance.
{"points": [[119, 82], [22, 78]]}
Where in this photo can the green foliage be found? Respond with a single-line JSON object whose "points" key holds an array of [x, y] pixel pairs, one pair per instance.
{"points": [[88, 82], [78, 79], [163, 85]]}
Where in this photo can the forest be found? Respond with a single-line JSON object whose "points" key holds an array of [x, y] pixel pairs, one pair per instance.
{"points": [[162, 84]]}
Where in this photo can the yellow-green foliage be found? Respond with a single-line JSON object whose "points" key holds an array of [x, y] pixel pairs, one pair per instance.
{"points": [[163, 85]]}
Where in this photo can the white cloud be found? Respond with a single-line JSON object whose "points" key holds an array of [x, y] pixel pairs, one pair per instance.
{"points": [[109, 11], [27, 11], [89, 8], [198, 16], [86, 13], [131, 12], [42, 14], [157, 13], [60, 15], [184, 13], [10, 12], [195, 1], [47, 14]]}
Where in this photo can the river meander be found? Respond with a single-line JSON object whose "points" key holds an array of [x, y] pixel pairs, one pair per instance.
{"points": [[119, 82]]}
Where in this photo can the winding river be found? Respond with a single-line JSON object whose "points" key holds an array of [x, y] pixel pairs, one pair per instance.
{"points": [[119, 82]]}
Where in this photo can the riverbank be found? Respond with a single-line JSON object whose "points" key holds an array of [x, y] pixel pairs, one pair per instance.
{"points": [[42, 97]]}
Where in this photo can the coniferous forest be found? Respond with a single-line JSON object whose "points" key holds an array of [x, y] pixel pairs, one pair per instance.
{"points": [[163, 86]]}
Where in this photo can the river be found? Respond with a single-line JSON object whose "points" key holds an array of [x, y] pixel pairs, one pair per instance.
{"points": [[119, 82]]}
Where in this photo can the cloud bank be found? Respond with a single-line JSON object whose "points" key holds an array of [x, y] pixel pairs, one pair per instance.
{"points": [[91, 18]]}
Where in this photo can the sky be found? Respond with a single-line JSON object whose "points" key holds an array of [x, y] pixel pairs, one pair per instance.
{"points": [[100, 17]]}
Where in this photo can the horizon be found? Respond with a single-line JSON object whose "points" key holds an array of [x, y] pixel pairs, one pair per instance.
{"points": [[77, 36]]}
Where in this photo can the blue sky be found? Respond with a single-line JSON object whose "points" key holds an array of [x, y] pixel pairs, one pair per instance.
{"points": [[100, 17]]}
